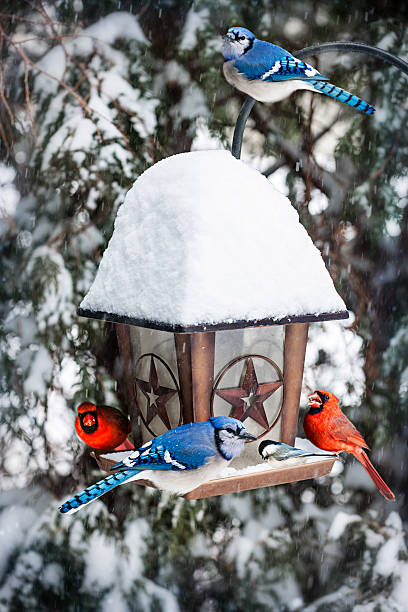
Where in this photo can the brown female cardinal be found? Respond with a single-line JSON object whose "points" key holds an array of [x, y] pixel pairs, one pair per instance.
{"points": [[328, 428], [101, 427]]}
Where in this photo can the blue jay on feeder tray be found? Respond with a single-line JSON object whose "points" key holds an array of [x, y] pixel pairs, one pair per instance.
{"points": [[178, 461]]}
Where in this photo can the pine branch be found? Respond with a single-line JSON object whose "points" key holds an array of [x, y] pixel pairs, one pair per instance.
{"points": [[280, 163], [28, 103], [323, 180]]}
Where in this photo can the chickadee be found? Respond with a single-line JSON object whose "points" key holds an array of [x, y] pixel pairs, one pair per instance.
{"points": [[272, 451]]}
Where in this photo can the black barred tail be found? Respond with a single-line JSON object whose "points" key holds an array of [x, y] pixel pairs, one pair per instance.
{"points": [[343, 96], [96, 490]]}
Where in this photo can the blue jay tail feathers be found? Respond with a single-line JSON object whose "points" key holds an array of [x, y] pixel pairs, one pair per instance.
{"points": [[343, 96], [95, 491]]}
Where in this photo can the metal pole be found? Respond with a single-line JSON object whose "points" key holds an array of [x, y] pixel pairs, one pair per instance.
{"points": [[240, 126], [307, 52], [358, 48]]}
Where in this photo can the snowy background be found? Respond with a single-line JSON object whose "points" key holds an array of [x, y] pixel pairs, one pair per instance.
{"points": [[91, 95]]}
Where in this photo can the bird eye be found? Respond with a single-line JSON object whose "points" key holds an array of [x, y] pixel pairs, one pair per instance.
{"points": [[241, 37], [230, 430], [326, 398]]}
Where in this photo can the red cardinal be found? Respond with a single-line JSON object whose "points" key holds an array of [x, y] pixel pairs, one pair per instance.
{"points": [[101, 427], [328, 428]]}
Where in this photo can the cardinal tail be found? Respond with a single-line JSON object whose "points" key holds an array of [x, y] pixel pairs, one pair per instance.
{"points": [[96, 490], [376, 478], [343, 96]]}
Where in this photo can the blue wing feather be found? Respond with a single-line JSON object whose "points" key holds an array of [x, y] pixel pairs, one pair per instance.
{"points": [[270, 63], [266, 51], [186, 447], [258, 60]]}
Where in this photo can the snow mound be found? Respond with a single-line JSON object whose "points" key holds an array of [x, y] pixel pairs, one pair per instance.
{"points": [[202, 238]]}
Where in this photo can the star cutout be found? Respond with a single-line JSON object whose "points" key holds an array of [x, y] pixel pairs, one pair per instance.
{"points": [[152, 397], [156, 395], [247, 400]]}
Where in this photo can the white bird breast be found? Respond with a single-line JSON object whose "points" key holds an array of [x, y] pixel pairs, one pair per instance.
{"points": [[181, 482], [261, 90], [274, 462]]}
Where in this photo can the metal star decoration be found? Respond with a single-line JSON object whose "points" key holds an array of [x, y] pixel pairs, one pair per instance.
{"points": [[156, 396], [247, 400]]}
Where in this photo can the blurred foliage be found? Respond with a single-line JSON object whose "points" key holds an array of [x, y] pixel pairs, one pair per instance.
{"points": [[346, 175]]}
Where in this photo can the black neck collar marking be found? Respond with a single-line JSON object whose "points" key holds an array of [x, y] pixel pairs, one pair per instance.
{"points": [[316, 409], [249, 47]]}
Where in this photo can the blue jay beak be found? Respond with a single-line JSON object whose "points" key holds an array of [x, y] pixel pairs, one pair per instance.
{"points": [[244, 435]]}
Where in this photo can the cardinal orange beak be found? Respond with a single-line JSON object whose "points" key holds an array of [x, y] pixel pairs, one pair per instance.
{"points": [[89, 420], [314, 400]]}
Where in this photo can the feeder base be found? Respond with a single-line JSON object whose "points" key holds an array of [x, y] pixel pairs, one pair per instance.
{"points": [[241, 482], [261, 479]]}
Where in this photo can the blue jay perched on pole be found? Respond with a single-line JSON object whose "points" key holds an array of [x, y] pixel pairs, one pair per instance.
{"points": [[272, 451], [268, 73], [178, 461]]}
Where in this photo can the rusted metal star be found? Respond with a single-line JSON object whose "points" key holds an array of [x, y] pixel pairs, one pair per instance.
{"points": [[247, 400], [156, 396]]}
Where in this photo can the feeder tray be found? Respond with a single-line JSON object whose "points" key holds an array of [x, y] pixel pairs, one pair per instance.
{"points": [[264, 477]]}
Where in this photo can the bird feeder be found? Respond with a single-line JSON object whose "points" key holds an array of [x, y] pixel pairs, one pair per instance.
{"points": [[212, 282]]}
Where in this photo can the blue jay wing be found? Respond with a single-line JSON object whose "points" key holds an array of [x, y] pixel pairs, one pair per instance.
{"points": [[272, 69], [182, 448], [291, 68]]}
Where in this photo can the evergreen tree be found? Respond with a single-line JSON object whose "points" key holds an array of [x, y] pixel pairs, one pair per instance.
{"points": [[91, 94]]}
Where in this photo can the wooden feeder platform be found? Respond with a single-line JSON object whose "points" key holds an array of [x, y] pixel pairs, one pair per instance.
{"points": [[264, 477]]}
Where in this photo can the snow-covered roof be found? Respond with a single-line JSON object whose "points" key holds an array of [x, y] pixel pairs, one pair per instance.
{"points": [[202, 239]]}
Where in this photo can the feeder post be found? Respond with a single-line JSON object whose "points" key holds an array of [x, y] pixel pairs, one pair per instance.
{"points": [[127, 377], [202, 367], [195, 365], [294, 360], [183, 356]]}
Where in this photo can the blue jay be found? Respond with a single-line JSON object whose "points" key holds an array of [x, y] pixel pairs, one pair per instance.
{"points": [[178, 461], [268, 73], [272, 451]]}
